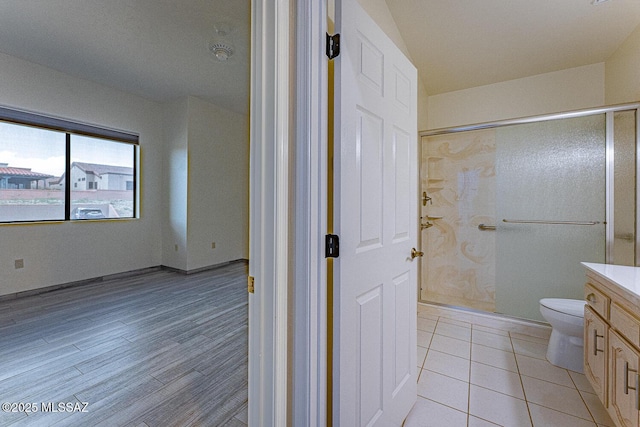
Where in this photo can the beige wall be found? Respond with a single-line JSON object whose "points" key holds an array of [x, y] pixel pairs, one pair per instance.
{"points": [[622, 72], [566, 90], [615, 81]]}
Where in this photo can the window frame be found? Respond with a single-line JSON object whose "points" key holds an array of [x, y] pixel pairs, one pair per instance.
{"points": [[69, 128]]}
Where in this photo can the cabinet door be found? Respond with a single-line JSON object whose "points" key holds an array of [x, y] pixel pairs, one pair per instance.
{"points": [[595, 352], [623, 375]]}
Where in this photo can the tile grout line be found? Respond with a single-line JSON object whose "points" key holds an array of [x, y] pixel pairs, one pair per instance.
{"points": [[573, 381], [558, 410], [582, 398], [428, 348], [524, 393]]}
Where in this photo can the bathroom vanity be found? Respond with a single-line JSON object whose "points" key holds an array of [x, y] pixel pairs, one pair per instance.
{"points": [[612, 339]]}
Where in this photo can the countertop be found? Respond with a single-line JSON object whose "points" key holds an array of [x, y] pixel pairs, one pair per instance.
{"points": [[627, 278]]}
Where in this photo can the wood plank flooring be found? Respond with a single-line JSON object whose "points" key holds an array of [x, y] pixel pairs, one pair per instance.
{"points": [[158, 349]]}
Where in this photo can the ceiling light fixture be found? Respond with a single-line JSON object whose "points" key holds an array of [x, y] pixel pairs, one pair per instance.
{"points": [[595, 2], [222, 51], [220, 45]]}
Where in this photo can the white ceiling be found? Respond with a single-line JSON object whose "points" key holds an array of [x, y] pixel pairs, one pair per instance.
{"points": [[159, 48], [458, 44]]}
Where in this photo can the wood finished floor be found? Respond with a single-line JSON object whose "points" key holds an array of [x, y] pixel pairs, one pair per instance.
{"points": [[159, 349]]}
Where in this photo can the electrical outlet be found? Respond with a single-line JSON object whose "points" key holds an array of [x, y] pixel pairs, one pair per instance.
{"points": [[19, 263], [213, 245]]}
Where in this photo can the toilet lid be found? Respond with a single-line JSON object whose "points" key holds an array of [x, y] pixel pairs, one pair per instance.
{"points": [[572, 307]]}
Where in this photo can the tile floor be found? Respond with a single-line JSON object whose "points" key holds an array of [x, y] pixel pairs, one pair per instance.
{"points": [[473, 375]]}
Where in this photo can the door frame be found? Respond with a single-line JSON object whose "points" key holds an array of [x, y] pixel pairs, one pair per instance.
{"points": [[310, 305], [268, 216], [288, 206]]}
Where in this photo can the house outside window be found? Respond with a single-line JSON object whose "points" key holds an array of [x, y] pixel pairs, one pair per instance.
{"points": [[36, 160]]}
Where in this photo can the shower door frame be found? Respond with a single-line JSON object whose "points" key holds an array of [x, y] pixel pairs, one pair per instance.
{"points": [[609, 112]]}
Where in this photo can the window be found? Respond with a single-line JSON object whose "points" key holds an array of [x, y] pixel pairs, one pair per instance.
{"points": [[31, 162], [41, 157], [106, 166]]}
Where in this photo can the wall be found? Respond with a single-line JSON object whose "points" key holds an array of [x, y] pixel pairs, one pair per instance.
{"points": [[206, 185], [218, 200], [622, 76], [458, 172], [174, 231], [67, 252], [566, 90]]}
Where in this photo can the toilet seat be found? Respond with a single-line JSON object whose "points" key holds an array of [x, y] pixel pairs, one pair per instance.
{"points": [[570, 307]]}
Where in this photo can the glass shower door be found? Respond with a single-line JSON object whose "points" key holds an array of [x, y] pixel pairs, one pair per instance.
{"points": [[550, 210], [622, 245]]}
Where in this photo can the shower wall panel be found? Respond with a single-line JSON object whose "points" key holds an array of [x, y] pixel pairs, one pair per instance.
{"points": [[458, 174]]}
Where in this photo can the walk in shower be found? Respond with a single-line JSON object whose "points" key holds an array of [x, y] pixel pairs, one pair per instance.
{"points": [[510, 209]]}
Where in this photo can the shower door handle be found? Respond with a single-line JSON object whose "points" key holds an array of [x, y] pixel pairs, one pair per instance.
{"points": [[415, 253]]}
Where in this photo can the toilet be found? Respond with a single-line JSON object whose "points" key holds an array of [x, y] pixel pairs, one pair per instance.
{"points": [[566, 317]]}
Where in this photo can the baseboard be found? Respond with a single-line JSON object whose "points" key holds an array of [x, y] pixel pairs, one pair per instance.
{"points": [[206, 268], [490, 320], [115, 276]]}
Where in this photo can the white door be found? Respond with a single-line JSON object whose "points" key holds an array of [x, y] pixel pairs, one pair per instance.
{"points": [[375, 284]]}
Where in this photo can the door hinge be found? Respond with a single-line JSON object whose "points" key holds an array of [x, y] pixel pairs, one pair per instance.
{"points": [[333, 45], [331, 246], [251, 284]]}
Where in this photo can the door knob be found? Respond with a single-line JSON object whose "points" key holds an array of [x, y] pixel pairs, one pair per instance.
{"points": [[415, 253]]}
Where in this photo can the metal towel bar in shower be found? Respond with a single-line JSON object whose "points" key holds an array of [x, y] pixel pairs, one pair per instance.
{"points": [[485, 227], [534, 221]]}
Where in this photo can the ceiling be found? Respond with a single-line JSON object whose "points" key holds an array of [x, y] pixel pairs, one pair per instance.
{"points": [[459, 44], [159, 49]]}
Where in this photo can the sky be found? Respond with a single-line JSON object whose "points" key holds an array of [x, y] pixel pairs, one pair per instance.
{"points": [[44, 150]]}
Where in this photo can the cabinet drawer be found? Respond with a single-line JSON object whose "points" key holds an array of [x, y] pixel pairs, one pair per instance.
{"points": [[626, 324], [597, 300]]}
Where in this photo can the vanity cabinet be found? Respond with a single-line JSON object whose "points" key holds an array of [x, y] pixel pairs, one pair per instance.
{"points": [[595, 352], [612, 345]]}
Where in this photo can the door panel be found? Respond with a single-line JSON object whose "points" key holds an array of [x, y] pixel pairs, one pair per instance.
{"points": [[402, 201], [595, 356], [369, 358], [403, 369], [622, 395], [369, 144], [375, 281]]}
